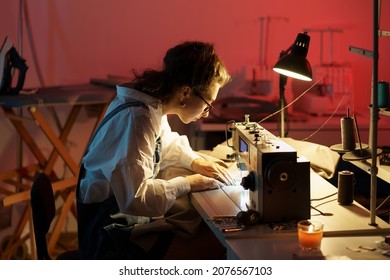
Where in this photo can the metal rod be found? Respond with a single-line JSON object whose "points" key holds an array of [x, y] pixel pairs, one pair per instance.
{"points": [[282, 105], [261, 56], [374, 115], [19, 153], [267, 20]]}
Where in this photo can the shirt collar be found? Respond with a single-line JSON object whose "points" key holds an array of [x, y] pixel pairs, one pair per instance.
{"points": [[127, 92], [155, 106]]}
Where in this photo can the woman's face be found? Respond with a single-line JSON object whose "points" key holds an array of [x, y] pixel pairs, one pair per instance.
{"points": [[198, 105]]}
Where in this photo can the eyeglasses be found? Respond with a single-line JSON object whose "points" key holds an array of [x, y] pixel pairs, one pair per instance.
{"points": [[209, 106]]}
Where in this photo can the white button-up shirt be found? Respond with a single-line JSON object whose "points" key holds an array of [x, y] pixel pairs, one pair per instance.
{"points": [[120, 159]]}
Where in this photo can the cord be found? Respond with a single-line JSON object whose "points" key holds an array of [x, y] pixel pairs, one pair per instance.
{"points": [[32, 45], [325, 197], [331, 116], [226, 132], [291, 103], [24, 8]]}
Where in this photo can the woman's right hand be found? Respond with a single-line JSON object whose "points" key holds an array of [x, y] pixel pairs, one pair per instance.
{"points": [[200, 183]]}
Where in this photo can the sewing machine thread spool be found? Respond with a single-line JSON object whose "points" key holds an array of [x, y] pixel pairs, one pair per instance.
{"points": [[348, 133], [383, 94], [346, 183]]}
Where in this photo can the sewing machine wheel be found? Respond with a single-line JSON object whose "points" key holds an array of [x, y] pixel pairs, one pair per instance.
{"points": [[280, 174]]}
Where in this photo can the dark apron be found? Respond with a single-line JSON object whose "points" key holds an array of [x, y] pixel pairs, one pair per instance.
{"points": [[104, 232]]}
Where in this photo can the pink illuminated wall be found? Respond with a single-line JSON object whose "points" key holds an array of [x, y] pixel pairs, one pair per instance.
{"points": [[77, 40]]}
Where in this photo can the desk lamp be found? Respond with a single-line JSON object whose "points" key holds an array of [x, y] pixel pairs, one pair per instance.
{"points": [[292, 63]]}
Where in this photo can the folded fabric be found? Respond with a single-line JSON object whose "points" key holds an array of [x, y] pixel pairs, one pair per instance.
{"points": [[322, 159]]}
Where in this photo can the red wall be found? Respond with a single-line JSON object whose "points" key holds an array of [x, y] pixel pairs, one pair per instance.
{"points": [[77, 40]]}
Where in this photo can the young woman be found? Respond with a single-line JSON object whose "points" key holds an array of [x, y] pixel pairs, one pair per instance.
{"points": [[125, 209]]}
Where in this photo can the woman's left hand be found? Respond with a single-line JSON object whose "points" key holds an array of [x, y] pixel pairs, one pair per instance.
{"points": [[215, 170]]}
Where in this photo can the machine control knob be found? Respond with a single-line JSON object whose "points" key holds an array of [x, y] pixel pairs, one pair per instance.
{"points": [[249, 182]]}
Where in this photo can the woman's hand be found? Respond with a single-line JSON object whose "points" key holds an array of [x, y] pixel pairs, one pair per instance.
{"points": [[215, 170], [200, 183]]}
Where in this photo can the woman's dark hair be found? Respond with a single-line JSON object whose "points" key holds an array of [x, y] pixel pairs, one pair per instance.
{"points": [[194, 64]]}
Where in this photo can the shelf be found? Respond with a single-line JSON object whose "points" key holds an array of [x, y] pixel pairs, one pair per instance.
{"points": [[383, 170], [384, 112]]}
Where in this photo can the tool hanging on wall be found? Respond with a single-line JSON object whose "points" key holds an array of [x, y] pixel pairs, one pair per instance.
{"points": [[10, 65], [260, 75]]}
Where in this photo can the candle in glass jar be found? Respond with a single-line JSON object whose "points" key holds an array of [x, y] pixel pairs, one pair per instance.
{"points": [[310, 234]]}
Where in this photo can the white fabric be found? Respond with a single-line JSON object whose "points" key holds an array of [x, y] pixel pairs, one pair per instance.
{"points": [[120, 159], [322, 159]]}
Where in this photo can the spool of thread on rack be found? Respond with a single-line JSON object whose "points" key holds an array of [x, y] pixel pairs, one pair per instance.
{"points": [[347, 133], [383, 94]]}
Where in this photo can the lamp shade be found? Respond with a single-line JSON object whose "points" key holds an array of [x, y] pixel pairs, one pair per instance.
{"points": [[295, 64]]}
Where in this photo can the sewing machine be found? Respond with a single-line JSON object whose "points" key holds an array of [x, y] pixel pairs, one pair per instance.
{"points": [[278, 180]]}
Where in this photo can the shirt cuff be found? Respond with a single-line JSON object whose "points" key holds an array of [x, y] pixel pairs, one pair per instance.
{"points": [[181, 185], [187, 158]]}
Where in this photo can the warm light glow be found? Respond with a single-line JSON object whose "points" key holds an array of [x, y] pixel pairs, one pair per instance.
{"points": [[292, 74], [310, 239], [310, 235]]}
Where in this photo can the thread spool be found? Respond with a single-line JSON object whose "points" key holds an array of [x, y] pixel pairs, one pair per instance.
{"points": [[347, 133], [383, 94], [346, 183]]}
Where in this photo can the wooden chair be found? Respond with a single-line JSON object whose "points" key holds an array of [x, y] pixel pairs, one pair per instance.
{"points": [[43, 212]]}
